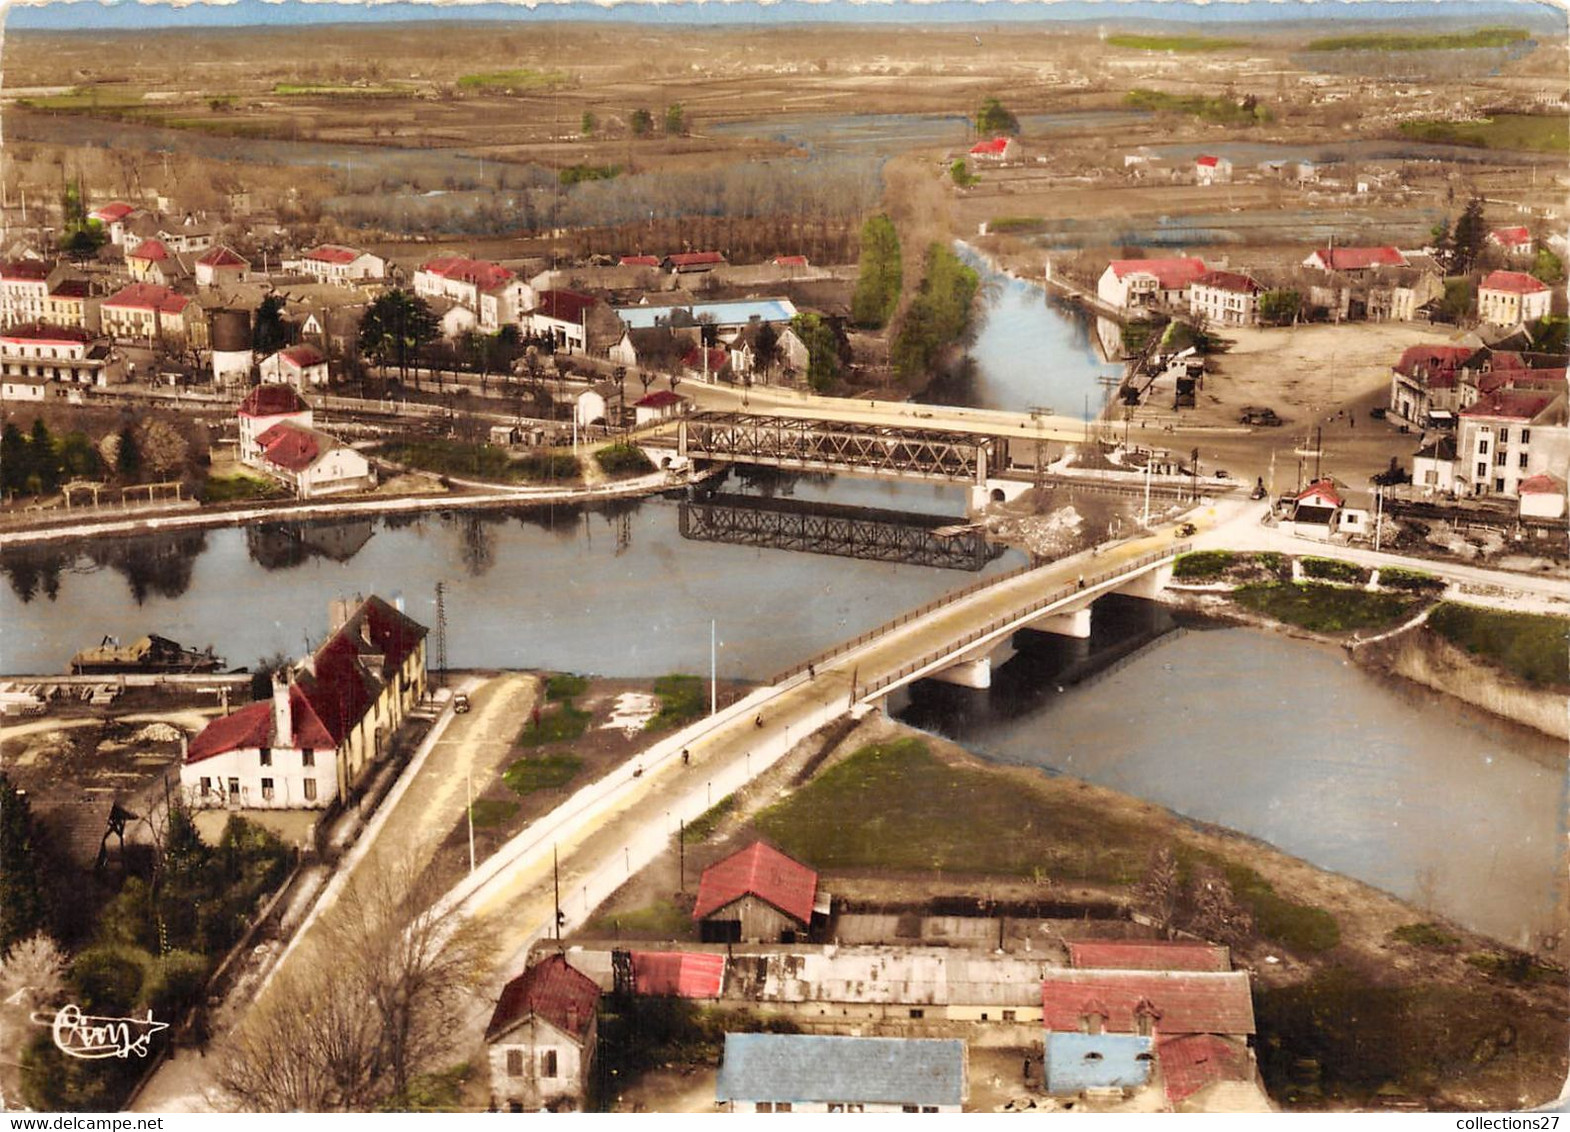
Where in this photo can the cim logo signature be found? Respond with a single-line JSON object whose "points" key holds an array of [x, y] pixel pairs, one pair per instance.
{"points": [[89, 1037]]}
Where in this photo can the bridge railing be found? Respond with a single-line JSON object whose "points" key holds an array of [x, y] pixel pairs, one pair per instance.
{"points": [[959, 595]]}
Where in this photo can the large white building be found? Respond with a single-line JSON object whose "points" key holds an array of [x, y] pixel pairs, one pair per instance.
{"points": [[1225, 298], [1505, 298], [334, 263], [496, 295], [40, 361], [821, 1073], [1133, 284], [1509, 436]]}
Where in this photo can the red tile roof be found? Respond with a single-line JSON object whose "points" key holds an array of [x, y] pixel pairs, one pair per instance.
{"points": [[762, 871], [659, 399], [1541, 484], [694, 259], [1321, 489], [303, 355], [1509, 378], [1206, 160], [252, 726], [44, 332], [1191, 1062], [484, 275], [1173, 274], [290, 446], [564, 306], [148, 296], [114, 210], [1515, 282], [1511, 404], [71, 289], [272, 400], [790, 261], [222, 256], [26, 269], [1229, 281], [1185, 1002], [153, 251], [1438, 364], [552, 989], [1357, 259], [1149, 955], [678, 974], [1508, 236], [639, 261], [993, 147], [333, 253]]}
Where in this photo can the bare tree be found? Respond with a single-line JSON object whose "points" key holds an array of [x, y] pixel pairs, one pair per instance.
{"points": [[1159, 889], [378, 998], [1215, 912], [35, 969]]}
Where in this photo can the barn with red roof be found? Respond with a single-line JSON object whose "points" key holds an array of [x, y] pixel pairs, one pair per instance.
{"points": [[680, 263], [328, 720], [758, 894], [1355, 261], [541, 1038], [220, 266], [995, 149]]}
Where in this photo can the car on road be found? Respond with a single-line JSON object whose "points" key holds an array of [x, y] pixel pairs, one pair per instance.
{"points": [[1255, 415], [460, 702], [1377, 412], [1223, 474], [1186, 529]]}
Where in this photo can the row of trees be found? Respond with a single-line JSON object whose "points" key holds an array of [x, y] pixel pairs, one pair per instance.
{"points": [[1206, 906], [878, 286], [38, 462]]}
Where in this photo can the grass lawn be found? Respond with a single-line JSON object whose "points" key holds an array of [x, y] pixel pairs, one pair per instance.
{"points": [[1174, 42], [563, 686], [518, 78], [1203, 564], [237, 488], [702, 827], [681, 700], [542, 772], [1543, 133], [1431, 936], [559, 725], [1532, 646], [1325, 609], [490, 812], [660, 920], [480, 461]]}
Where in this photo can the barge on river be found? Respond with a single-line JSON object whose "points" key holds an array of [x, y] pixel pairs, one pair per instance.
{"points": [[150, 654]]}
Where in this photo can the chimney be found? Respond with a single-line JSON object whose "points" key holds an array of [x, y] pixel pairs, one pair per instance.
{"points": [[337, 614], [572, 1018], [283, 724]]}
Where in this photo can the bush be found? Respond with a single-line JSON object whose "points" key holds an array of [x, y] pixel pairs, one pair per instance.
{"points": [[542, 772], [1413, 581], [1324, 609], [547, 466], [1333, 570], [236, 489], [108, 978], [1431, 936], [623, 460], [558, 726], [1278, 564], [681, 700], [1204, 564], [565, 686], [1533, 646], [175, 983]]}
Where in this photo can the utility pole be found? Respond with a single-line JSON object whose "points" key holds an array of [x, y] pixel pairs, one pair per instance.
{"points": [[441, 634]]}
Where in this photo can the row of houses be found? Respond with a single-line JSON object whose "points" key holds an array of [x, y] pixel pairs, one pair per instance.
{"points": [[1165, 1023], [1379, 283]]}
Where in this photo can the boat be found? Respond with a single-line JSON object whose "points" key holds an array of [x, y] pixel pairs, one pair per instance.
{"points": [[151, 653]]}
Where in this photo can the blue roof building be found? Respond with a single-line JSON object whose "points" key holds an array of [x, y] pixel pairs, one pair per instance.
{"points": [[809, 1073], [727, 316]]}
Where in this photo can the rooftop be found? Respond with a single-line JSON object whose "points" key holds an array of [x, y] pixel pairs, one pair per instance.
{"points": [[272, 400], [1514, 282], [1186, 1002], [552, 989], [1149, 955], [802, 1068], [1172, 273], [1358, 259], [148, 296], [735, 313], [762, 871]]}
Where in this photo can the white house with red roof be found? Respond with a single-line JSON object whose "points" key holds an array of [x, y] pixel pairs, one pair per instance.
{"points": [[1511, 435], [303, 366], [1542, 496], [661, 405], [1514, 240], [495, 294], [997, 149], [572, 320], [153, 262], [1426, 379], [1355, 261], [41, 361], [1316, 511], [115, 217], [329, 719], [1106, 1029], [682, 263], [1211, 170], [265, 406], [541, 1039], [145, 313], [335, 263], [1134, 284], [221, 266], [310, 462], [1506, 298], [24, 289], [639, 261], [755, 895], [1225, 298]]}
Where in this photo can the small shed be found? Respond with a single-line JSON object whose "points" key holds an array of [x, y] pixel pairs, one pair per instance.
{"points": [[660, 405], [1542, 496], [758, 894]]}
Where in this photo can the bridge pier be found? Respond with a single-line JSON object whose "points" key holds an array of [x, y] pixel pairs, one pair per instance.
{"points": [[975, 670], [1149, 584], [989, 491], [1075, 623]]}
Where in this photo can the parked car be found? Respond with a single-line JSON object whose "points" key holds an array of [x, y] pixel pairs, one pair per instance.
{"points": [[1259, 416], [1378, 412], [460, 702], [1223, 474]]}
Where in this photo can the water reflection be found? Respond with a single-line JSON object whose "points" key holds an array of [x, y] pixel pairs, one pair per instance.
{"points": [[283, 546], [154, 566]]}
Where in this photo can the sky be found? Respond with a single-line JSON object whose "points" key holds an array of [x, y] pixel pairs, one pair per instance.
{"points": [[121, 14]]}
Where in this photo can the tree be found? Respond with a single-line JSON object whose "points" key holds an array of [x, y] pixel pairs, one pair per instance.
{"points": [[43, 459], [1471, 237], [163, 450], [880, 279], [1548, 267], [15, 465], [78, 457], [128, 456], [395, 327], [382, 997], [961, 175], [589, 123], [1215, 912], [34, 968], [1444, 245], [767, 348], [993, 118], [21, 885], [823, 360], [1160, 890], [270, 334], [675, 120], [642, 122], [1280, 308]]}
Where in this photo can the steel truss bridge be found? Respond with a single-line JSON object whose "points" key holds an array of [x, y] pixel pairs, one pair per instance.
{"points": [[825, 528], [807, 443]]}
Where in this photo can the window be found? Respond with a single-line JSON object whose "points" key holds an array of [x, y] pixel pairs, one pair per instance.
{"points": [[929, 1108], [1499, 484], [307, 757], [763, 1106], [515, 1063], [267, 790], [782, 1106], [1092, 1056], [1482, 469], [1010, 1015], [207, 787], [234, 787], [310, 789], [855, 1108], [1500, 457], [267, 756], [1504, 437], [1521, 463], [836, 1108], [917, 1012], [1431, 477], [1526, 436], [909, 1108], [1482, 447], [548, 1063]]}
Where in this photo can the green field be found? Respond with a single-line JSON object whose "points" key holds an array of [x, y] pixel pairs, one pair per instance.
{"points": [[480, 461], [1538, 133], [1175, 42], [88, 100], [1390, 41], [1222, 111], [234, 489], [519, 78], [542, 772], [1325, 609], [1534, 647], [336, 90]]}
